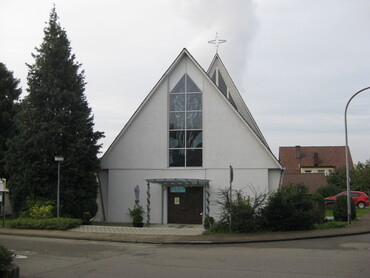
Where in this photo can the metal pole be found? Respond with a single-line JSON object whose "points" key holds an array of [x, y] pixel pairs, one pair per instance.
{"points": [[4, 194], [58, 189], [347, 157], [231, 192], [231, 200]]}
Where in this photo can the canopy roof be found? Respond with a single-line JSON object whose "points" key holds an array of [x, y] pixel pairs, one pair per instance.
{"points": [[180, 182]]}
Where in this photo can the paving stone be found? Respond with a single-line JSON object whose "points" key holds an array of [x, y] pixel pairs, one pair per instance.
{"points": [[164, 230]]}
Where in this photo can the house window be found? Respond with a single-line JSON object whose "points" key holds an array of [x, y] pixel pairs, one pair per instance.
{"points": [[185, 124]]}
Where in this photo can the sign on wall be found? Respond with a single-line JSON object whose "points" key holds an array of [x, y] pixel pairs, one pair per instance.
{"points": [[177, 189]]}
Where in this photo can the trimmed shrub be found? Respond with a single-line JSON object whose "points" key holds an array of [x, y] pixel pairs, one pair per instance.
{"points": [[288, 209], [340, 210], [318, 208], [46, 224], [41, 212], [6, 257], [38, 209]]}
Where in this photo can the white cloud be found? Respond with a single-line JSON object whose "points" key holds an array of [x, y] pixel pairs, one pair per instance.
{"points": [[296, 63]]}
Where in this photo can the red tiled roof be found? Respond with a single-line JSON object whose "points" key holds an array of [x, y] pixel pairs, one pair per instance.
{"points": [[293, 158], [327, 157]]}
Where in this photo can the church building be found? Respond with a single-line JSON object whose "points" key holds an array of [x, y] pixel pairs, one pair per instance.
{"points": [[179, 145]]}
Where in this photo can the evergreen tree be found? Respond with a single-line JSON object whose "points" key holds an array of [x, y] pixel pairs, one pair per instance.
{"points": [[55, 120], [9, 94]]}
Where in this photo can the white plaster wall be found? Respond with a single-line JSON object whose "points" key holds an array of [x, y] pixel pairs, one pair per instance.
{"points": [[227, 139], [177, 73], [122, 183], [274, 179], [141, 152], [143, 143], [122, 197]]}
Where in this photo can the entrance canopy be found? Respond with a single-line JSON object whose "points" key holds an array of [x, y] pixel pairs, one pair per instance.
{"points": [[180, 182]]}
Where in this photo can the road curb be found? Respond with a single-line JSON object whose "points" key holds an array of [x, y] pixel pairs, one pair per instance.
{"points": [[273, 237]]}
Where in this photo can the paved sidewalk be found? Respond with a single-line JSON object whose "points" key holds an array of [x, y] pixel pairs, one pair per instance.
{"points": [[170, 234], [164, 230]]}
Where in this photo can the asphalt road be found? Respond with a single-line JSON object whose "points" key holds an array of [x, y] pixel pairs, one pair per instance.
{"points": [[331, 257]]}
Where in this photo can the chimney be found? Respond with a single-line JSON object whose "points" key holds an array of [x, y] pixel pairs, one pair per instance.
{"points": [[297, 152], [316, 159]]}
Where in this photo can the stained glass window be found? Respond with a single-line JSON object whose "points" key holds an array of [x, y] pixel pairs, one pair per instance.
{"points": [[185, 124]]}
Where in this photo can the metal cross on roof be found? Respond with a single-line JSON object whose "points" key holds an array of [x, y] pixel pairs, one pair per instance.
{"points": [[217, 42]]}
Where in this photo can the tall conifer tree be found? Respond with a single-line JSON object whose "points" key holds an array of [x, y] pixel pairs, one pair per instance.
{"points": [[9, 94], [55, 120]]}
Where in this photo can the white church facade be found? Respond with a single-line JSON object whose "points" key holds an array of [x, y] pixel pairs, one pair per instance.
{"points": [[179, 145]]}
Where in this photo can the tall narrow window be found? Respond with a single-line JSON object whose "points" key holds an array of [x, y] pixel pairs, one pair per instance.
{"points": [[185, 124]]}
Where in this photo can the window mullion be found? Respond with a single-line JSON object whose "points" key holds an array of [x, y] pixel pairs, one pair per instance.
{"points": [[186, 120]]}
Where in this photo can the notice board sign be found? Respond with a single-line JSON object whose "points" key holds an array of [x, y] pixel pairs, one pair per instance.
{"points": [[177, 189]]}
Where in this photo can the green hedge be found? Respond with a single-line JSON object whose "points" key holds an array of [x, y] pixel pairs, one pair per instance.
{"points": [[46, 224], [340, 210], [6, 257], [289, 208]]}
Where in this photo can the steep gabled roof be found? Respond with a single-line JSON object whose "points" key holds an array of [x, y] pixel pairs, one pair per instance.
{"points": [[250, 123], [293, 158], [233, 95]]}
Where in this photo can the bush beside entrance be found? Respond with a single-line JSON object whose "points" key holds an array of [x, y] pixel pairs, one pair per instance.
{"points": [[287, 209]]}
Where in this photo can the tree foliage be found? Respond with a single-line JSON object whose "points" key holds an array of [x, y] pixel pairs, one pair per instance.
{"points": [[55, 119], [359, 177], [328, 190], [9, 94], [338, 178]]}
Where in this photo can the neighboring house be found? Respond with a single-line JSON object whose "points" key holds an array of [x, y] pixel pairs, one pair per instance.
{"points": [[311, 165], [178, 147]]}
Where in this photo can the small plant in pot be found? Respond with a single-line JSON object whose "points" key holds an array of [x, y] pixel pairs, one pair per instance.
{"points": [[136, 215]]}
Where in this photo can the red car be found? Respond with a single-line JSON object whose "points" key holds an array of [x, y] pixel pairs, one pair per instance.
{"points": [[360, 198]]}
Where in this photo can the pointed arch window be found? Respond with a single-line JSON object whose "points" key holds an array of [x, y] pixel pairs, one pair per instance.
{"points": [[185, 124]]}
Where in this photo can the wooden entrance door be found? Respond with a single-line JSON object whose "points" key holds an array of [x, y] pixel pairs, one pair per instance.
{"points": [[185, 207]]}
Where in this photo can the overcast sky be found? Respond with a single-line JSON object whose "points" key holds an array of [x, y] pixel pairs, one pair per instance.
{"points": [[295, 62]]}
